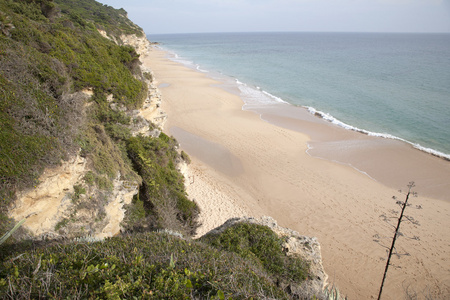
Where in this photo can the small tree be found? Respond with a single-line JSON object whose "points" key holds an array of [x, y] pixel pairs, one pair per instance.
{"points": [[403, 205]]}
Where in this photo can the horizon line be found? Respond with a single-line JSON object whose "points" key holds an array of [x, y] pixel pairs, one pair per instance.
{"points": [[280, 31]]}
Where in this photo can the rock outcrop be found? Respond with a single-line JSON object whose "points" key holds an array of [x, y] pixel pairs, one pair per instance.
{"points": [[141, 44], [62, 205], [307, 248], [49, 201], [151, 110], [122, 194]]}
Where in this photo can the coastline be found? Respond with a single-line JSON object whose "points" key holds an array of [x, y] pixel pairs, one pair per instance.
{"points": [[265, 170], [383, 159]]}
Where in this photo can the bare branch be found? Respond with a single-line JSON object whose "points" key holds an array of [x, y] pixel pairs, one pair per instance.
{"points": [[397, 233]]}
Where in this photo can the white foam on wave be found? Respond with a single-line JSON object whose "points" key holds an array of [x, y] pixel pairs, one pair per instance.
{"points": [[201, 70], [185, 62], [277, 99], [331, 119], [256, 96], [431, 151]]}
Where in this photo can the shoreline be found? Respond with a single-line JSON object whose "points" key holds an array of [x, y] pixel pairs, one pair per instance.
{"points": [[265, 170], [360, 151], [236, 85], [407, 157]]}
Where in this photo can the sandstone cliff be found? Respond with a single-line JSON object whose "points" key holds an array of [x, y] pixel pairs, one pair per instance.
{"points": [[63, 205]]}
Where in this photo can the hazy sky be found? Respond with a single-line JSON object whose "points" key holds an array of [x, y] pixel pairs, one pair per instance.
{"points": [[187, 16]]}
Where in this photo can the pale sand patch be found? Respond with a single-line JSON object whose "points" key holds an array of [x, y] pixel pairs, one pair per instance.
{"points": [[271, 174], [48, 203], [122, 195], [216, 205]]}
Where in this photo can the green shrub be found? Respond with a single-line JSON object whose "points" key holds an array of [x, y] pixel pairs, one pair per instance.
{"points": [[78, 191], [89, 178], [118, 131], [147, 265], [109, 116], [261, 244], [135, 214], [185, 157], [103, 16], [105, 154], [162, 190]]}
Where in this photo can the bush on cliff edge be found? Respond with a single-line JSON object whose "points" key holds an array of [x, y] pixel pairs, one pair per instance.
{"points": [[150, 265]]}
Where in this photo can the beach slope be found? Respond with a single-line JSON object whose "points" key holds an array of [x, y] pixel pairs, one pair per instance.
{"points": [[263, 169]]}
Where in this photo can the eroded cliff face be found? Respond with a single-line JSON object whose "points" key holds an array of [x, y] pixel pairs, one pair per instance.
{"points": [[49, 201], [151, 110], [141, 44], [63, 204]]}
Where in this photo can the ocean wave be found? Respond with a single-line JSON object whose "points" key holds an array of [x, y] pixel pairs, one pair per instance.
{"points": [[331, 119], [201, 70], [185, 62], [256, 96], [277, 99]]}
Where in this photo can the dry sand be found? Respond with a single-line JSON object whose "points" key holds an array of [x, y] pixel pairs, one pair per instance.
{"points": [[248, 166]]}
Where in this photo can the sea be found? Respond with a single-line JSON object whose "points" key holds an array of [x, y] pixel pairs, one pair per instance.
{"points": [[392, 85]]}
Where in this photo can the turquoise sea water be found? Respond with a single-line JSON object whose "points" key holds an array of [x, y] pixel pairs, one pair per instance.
{"points": [[388, 84]]}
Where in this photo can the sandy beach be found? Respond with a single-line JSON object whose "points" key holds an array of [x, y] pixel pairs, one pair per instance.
{"points": [[282, 164]]}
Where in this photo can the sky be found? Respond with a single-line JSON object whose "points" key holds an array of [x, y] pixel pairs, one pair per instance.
{"points": [[191, 16]]}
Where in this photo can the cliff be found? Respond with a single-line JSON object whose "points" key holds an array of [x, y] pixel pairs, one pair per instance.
{"points": [[84, 158], [85, 192], [294, 244], [51, 208]]}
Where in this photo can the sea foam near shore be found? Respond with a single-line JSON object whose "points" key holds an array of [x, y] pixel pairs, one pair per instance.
{"points": [[387, 85], [255, 98]]}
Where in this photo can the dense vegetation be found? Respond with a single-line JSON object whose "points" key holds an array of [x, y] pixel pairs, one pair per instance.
{"points": [[163, 191], [258, 242], [154, 265], [114, 21], [49, 53]]}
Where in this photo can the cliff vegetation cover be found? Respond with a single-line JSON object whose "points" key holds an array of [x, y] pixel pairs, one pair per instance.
{"points": [[52, 55], [49, 53]]}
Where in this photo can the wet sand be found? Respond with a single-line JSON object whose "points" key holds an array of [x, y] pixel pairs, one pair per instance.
{"points": [[267, 169]]}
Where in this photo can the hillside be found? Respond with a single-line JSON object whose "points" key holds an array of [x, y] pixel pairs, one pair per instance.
{"points": [[70, 95], [82, 158]]}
